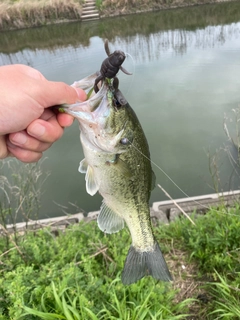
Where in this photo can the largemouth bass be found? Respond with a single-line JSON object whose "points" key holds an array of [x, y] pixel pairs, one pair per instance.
{"points": [[117, 166]]}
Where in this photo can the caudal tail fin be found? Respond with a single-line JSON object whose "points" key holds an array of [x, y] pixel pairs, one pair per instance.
{"points": [[139, 264]]}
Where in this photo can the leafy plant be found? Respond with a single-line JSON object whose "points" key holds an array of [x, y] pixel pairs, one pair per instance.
{"points": [[77, 274], [99, 4], [215, 240], [226, 298], [124, 303]]}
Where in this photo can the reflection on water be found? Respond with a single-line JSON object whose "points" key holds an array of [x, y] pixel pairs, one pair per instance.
{"points": [[79, 34], [186, 76]]}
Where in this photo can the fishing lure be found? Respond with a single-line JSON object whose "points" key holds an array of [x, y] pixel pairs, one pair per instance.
{"points": [[110, 65]]}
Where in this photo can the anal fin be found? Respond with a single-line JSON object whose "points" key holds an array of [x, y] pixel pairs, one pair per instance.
{"points": [[108, 221]]}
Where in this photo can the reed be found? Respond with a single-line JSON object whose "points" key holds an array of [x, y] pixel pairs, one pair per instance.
{"points": [[30, 13], [18, 14], [118, 7]]}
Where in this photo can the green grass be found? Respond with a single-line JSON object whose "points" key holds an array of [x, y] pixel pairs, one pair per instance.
{"points": [[76, 275], [226, 295], [214, 246], [78, 272], [215, 242]]}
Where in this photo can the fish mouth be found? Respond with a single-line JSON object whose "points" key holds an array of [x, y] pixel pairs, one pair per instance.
{"points": [[97, 108], [93, 114], [93, 99], [100, 102]]}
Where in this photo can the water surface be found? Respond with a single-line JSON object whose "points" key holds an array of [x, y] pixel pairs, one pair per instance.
{"points": [[186, 69]]}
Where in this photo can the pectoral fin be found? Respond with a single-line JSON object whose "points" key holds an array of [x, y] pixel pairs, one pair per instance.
{"points": [[120, 165], [123, 168], [83, 165], [91, 184], [108, 220]]}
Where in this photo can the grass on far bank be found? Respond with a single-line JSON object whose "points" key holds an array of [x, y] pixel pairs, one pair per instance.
{"points": [[76, 275], [18, 14], [120, 7], [31, 13]]}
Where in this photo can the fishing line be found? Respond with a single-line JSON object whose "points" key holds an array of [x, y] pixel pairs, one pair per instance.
{"points": [[133, 73], [160, 170], [133, 61], [195, 201]]}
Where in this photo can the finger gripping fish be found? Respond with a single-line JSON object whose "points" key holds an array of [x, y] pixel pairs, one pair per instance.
{"points": [[110, 65]]}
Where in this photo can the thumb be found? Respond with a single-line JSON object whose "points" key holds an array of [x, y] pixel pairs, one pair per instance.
{"points": [[57, 93], [82, 96]]}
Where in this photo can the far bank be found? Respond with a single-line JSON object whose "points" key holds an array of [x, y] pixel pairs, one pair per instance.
{"points": [[26, 14]]}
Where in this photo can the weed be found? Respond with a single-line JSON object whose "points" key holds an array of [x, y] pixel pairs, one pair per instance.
{"points": [[72, 276], [99, 4], [132, 6], [125, 303], [215, 240], [226, 297], [76, 275], [20, 194], [22, 13]]}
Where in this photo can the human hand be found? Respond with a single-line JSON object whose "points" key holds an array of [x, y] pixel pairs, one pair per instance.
{"points": [[27, 125]]}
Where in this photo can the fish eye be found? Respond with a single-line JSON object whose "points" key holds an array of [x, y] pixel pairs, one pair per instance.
{"points": [[124, 141]]}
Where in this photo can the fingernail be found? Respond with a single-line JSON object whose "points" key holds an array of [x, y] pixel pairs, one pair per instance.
{"points": [[19, 138], [37, 130], [82, 96]]}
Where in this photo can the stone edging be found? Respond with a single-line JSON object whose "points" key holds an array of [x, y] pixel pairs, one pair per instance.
{"points": [[162, 212]]}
